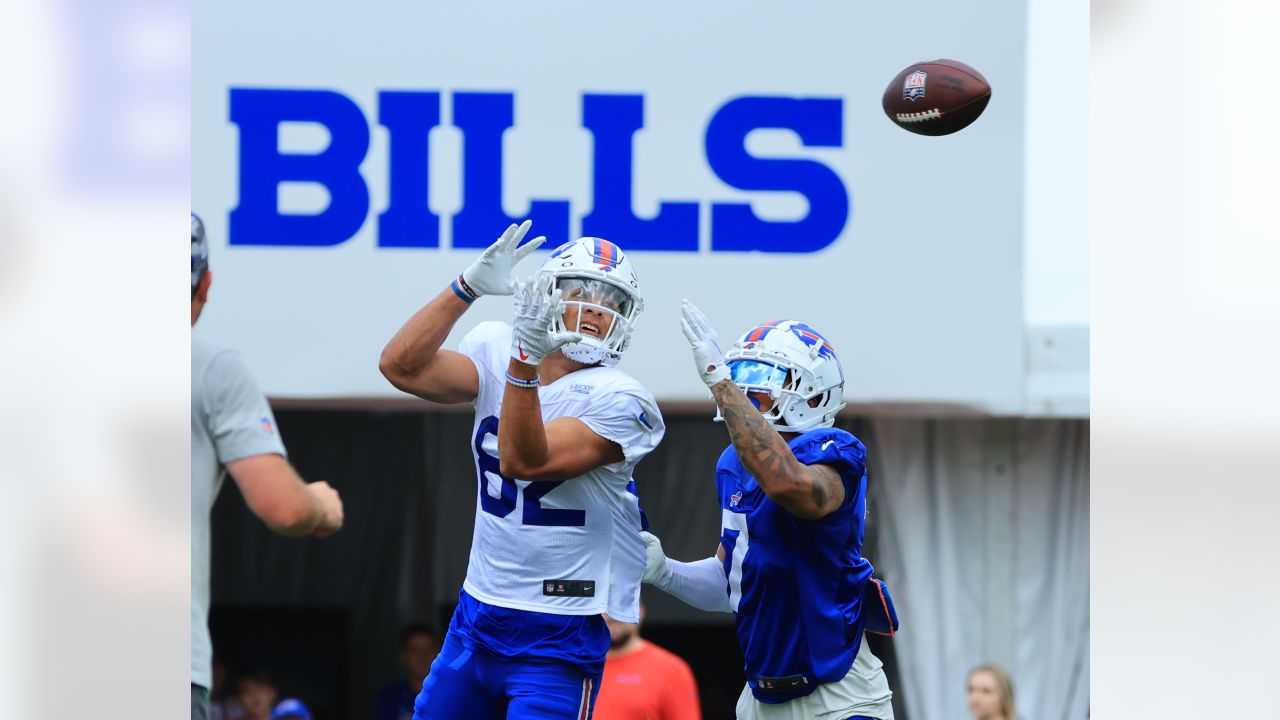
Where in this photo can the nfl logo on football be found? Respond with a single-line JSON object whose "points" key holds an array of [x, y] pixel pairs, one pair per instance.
{"points": [[913, 86]]}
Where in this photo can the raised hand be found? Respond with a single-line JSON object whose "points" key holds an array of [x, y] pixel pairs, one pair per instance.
{"points": [[537, 302], [705, 344], [491, 273]]}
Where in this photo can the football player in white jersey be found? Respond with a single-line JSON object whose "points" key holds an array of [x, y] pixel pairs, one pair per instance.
{"points": [[558, 430]]}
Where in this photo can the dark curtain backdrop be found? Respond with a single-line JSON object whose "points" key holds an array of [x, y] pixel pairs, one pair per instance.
{"points": [[322, 616]]}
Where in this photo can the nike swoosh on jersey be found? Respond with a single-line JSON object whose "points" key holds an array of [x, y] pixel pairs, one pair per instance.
{"points": [[825, 444]]}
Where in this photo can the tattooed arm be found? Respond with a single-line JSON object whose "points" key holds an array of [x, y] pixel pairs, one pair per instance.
{"points": [[806, 491]]}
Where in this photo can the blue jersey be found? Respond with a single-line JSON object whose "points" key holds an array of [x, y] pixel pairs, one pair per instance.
{"points": [[795, 585]]}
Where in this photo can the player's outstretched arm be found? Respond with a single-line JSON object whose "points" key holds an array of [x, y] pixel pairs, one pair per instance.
{"points": [[806, 491], [413, 361], [274, 492], [701, 584]]}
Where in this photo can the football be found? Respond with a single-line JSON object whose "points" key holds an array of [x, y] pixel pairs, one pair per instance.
{"points": [[937, 97]]}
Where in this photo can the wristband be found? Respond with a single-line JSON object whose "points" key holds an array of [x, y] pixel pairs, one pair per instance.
{"points": [[529, 384], [463, 291]]}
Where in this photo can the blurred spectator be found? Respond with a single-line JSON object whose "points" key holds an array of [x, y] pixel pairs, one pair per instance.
{"points": [[642, 681], [418, 647], [990, 691], [222, 705], [291, 709], [257, 694]]}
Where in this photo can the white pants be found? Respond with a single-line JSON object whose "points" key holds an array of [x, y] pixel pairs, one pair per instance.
{"points": [[863, 691]]}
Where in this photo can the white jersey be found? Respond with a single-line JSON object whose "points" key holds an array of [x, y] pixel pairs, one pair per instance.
{"points": [[570, 547]]}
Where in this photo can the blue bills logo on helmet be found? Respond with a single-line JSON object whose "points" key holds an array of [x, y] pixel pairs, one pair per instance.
{"points": [[813, 338], [810, 337], [913, 86]]}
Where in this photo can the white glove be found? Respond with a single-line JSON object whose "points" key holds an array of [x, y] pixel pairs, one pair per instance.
{"points": [[537, 305], [655, 565], [706, 345], [491, 273]]}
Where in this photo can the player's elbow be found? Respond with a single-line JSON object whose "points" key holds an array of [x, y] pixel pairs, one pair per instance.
{"points": [[783, 495], [797, 499], [784, 488], [517, 469], [509, 468], [389, 366]]}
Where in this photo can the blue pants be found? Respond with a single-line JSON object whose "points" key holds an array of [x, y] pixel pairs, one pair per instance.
{"points": [[474, 684]]}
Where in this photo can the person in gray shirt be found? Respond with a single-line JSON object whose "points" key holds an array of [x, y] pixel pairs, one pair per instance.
{"points": [[232, 428]]}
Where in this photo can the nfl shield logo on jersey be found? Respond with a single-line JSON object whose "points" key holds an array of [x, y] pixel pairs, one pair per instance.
{"points": [[913, 86]]}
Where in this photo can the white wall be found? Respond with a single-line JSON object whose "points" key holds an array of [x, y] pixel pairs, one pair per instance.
{"points": [[925, 294], [1056, 265]]}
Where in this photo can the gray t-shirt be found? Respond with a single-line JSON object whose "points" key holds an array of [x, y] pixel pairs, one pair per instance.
{"points": [[230, 420]]}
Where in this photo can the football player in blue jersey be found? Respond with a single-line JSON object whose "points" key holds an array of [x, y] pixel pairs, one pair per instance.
{"points": [[558, 430], [792, 493]]}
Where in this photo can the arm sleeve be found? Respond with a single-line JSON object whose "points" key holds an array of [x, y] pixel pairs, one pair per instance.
{"points": [[240, 420], [630, 419], [701, 583]]}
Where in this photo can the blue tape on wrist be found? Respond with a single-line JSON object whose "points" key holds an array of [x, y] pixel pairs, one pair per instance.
{"points": [[462, 295]]}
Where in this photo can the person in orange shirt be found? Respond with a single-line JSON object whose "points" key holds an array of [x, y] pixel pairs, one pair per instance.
{"points": [[642, 681]]}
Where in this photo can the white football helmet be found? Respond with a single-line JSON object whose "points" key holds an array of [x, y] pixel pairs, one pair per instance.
{"points": [[600, 289], [795, 366]]}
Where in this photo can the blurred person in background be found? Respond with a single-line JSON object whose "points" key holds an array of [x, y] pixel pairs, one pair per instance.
{"points": [[990, 692], [643, 681], [257, 693], [222, 701], [233, 430], [418, 647], [290, 709]]}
